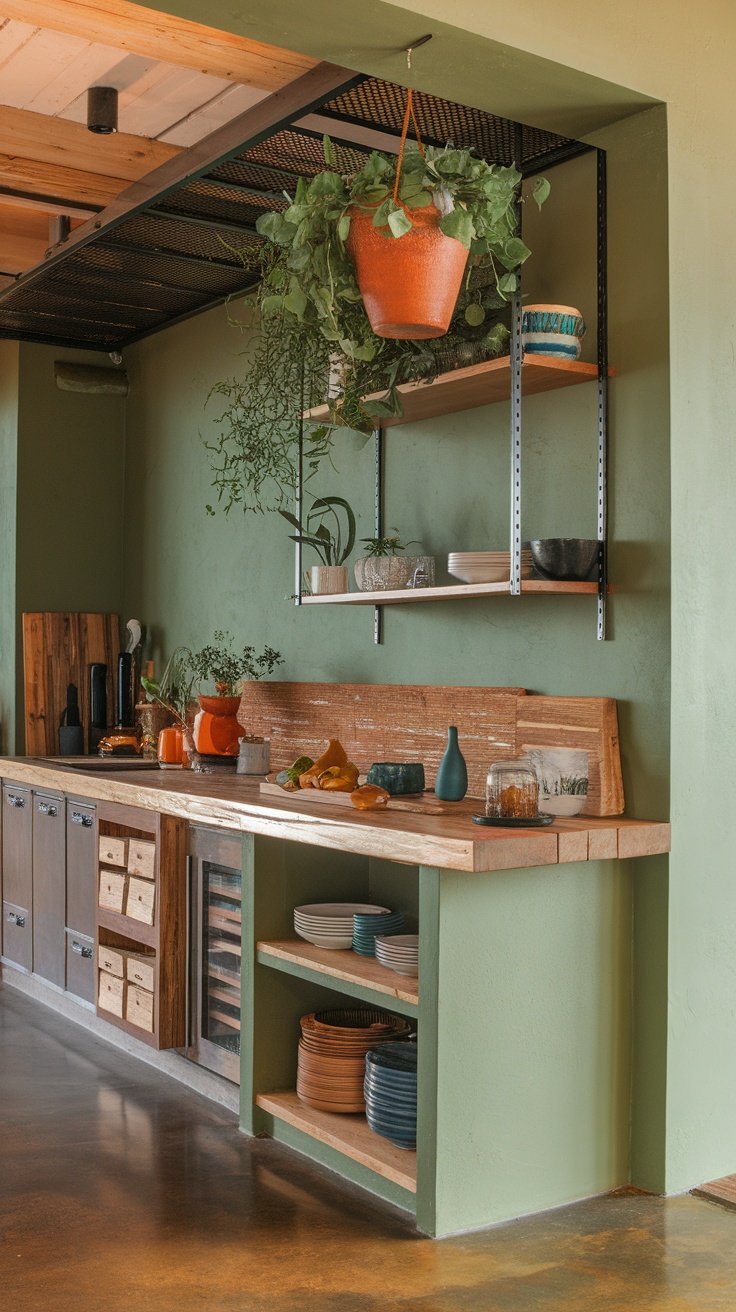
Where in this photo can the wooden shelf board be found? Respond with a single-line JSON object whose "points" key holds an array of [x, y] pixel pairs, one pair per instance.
{"points": [[129, 928], [349, 1135], [454, 592], [340, 964], [478, 384]]}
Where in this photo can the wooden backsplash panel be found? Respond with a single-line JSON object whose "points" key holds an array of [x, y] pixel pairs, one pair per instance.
{"points": [[384, 722], [395, 722]]}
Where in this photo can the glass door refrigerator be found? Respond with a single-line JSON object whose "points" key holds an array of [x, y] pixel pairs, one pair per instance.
{"points": [[215, 888]]}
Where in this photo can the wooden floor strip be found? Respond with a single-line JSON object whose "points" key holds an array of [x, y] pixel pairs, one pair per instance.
{"points": [[719, 1191]]}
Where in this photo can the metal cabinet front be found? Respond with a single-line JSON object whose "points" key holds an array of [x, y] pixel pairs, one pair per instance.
{"points": [[17, 839], [18, 935], [49, 887], [80, 965], [81, 867]]}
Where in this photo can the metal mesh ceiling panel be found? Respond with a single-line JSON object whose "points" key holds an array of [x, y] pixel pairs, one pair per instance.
{"points": [[194, 244], [378, 104]]}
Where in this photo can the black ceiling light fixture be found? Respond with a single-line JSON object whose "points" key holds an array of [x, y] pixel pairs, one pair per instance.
{"points": [[102, 109]]}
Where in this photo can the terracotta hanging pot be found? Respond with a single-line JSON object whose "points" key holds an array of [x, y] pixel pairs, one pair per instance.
{"points": [[409, 284]]}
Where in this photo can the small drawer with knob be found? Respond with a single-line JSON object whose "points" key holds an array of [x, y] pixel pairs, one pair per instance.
{"points": [[141, 859], [141, 971], [111, 990], [112, 888], [113, 851], [139, 1008], [140, 900]]}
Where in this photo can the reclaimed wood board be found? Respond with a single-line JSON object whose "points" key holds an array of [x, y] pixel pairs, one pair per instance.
{"points": [[586, 723], [417, 803], [58, 648], [383, 722], [394, 722]]}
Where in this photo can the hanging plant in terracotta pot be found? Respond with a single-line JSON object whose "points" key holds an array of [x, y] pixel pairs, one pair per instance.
{"points": [[397, 237]]}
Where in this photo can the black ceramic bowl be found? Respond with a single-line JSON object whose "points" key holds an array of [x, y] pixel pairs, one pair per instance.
{"points": [[565, 558]]}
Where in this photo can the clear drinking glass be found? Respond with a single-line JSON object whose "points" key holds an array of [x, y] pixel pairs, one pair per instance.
{"points": [[512, 790]]}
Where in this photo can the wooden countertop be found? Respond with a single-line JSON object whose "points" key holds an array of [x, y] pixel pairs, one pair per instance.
{"points": [[452, 842]]}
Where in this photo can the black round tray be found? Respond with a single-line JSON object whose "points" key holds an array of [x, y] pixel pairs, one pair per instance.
{"points": [[514, 822]]}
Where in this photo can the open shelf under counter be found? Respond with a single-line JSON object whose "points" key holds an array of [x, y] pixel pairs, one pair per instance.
{"points": [[345, 971], [135, 930], [453, 592], [349, 1135], [476, 385]]}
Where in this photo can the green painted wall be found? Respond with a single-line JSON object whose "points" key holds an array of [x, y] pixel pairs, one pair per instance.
{"points": [[8, 477], [70, 483], [447, 484]]}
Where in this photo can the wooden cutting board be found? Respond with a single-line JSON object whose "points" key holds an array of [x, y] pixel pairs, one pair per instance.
{"points": [[58, 649], [419, 803]]}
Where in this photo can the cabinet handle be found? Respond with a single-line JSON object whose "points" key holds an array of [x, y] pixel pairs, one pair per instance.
{"points": [[79, 818], [14, 799], [47, 808], [14, 919], [81, 949]]}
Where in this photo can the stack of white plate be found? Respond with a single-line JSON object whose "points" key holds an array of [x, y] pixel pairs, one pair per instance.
{"points": [[400, 952], [330, 924], [487, 566]]}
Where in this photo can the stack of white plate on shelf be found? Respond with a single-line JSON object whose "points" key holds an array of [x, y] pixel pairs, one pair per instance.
{"points": [[330, 924], [400, 952], [487, 566]]}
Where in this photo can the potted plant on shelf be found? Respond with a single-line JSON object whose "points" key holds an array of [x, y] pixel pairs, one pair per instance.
{"points": [[333, 544], [382, 568], [396, 235], [217, 731]]}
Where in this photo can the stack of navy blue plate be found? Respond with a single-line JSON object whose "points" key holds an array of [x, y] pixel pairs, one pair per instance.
{"points": [[367, 924], [390, 1089]]}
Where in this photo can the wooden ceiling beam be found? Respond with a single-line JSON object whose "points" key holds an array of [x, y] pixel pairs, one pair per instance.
{"points": [[45, 204], [54, 182], [58, 141], [166, 37]]}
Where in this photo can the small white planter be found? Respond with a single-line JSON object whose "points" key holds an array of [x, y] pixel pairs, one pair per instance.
{"points": [[562, 803], [254, 756], [324, 579]]}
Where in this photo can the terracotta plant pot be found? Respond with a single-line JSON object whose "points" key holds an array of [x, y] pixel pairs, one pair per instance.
{"points": [[217, 731], [409, 284]]}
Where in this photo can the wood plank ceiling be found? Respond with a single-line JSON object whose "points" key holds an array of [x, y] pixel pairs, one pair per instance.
{"points": [[177, 82]]}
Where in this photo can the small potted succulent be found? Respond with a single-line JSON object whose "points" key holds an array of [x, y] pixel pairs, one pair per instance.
{"points": [[333, 541], [217, 731], [382, 567]]}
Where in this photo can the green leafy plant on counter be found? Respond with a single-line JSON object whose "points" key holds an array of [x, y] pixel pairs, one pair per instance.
{"points": [[175, 689], [333, 544], [227, 667], [387, 546]]}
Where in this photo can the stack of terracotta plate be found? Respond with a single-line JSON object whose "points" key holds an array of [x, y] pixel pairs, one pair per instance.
{"points": [[331, 1063]]}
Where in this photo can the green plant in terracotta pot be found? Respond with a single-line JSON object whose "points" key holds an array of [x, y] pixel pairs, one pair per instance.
{"points": [[329, 528], [217, 731], [383, 566], [397, 236]]}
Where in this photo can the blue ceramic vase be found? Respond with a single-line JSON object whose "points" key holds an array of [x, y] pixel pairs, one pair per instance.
{"points": [[451, 783]]}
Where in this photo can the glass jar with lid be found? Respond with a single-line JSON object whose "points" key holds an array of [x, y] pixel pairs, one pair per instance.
{"points": [[512, 790]]}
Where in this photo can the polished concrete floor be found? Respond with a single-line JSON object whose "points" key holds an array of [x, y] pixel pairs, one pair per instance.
{"points": [[120, 1191]]}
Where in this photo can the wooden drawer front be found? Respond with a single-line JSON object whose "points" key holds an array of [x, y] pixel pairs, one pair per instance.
{"points": [[140, 901], [18, 935], [17, 841], [139, 1008], [112, 890], [80, 966], [111, 960], [111, 993], [142, 859], [141, 971], [113, 851]]}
